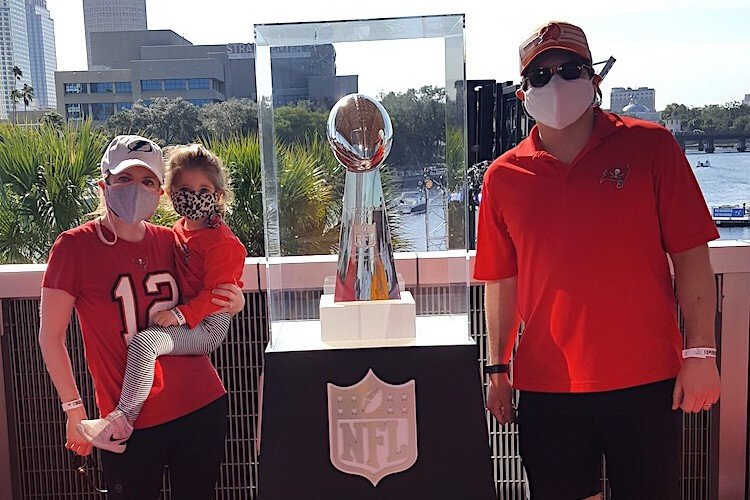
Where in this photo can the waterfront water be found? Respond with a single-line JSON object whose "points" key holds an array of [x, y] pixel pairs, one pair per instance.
{"points": [[725, 182]]}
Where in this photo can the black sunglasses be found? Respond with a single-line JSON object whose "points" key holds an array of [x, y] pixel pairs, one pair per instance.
{"points": [[84, 464], [539, 77]]}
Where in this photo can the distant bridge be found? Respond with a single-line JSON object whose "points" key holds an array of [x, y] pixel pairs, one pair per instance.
{"points": [[708, 141]]}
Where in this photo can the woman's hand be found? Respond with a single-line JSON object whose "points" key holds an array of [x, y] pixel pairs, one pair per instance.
{"points": [[73, 439], [234, 300]]}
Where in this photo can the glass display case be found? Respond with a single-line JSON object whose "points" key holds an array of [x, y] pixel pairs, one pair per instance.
{"points": [[414, 68]]}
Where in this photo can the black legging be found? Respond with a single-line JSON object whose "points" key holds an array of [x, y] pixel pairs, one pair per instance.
{"points": [[192, 446]]}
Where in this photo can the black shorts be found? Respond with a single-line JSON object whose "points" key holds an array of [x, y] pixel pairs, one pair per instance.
{"points": [[191, 446], [563, 436]]}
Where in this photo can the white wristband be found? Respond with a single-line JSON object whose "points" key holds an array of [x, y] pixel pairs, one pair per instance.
{"points": [[70, 405], [178, 314], [699, 352]]}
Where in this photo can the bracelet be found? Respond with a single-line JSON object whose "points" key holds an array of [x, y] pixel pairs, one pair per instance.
{"points": [[70, 405], [178, 314], [496, 368], [699, 352]]}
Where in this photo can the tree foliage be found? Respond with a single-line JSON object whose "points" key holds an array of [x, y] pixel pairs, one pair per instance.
{"points": [[235, 117], [46, 185], [732, 116], [168, 121], [418, 117], [27, 95], [53, 119], [299, 123]]}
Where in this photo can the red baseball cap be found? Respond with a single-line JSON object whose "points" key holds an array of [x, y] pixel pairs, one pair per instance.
{"points": [[554, 35]]}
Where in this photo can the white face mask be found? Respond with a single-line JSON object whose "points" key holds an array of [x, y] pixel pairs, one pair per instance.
{"points": [[560, 102]]}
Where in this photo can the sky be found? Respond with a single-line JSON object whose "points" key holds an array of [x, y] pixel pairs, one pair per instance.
{"points": [[692, 52]]}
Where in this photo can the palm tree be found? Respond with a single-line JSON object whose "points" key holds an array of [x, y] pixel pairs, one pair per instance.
{"points": [[15, 96], [47, 185], [304, 196], [27, 94]]}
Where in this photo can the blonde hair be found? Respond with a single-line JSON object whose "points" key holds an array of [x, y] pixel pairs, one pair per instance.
{"points": [[197, 157]]}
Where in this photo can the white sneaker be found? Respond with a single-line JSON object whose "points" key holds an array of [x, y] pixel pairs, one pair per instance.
{"points": [[110, 433]]}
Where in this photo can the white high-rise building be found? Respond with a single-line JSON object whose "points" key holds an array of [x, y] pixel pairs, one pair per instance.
{"points": [[112, 15], [14, 51], [43, 60]]}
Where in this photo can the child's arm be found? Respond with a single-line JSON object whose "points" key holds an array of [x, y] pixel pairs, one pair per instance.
{"points": [[165, 318], [223, 263]]}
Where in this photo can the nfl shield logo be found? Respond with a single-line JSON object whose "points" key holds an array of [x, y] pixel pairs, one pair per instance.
{"points": [[372, 427]]}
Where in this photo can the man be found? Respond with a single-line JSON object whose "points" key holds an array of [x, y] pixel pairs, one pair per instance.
{"points": [[574, 228]]}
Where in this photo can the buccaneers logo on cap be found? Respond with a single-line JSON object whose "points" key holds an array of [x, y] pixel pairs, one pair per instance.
{"points": [[550, 32], [618, 175]]}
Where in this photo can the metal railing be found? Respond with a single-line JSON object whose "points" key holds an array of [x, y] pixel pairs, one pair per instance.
{"points": [[715, 444]]}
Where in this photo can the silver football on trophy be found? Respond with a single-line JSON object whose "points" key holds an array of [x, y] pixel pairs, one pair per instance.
{"points": [[360, 132], [360, 135]]}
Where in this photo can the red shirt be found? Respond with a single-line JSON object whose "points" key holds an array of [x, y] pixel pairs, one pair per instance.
{"points": [[205, 258], [116, 288], [588, 243]]}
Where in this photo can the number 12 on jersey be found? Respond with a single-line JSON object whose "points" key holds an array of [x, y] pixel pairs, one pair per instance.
{"points": [[125, 295]]}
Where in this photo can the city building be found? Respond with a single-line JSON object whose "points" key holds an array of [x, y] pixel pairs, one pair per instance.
{"points": [[42, 58], [112, 15], [674, 125], [620, 97], [638, 110], [143, 65], [746, 100], [14, 51]]}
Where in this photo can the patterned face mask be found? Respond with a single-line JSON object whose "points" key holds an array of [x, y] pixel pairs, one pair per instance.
{"points": [[195, 205]]}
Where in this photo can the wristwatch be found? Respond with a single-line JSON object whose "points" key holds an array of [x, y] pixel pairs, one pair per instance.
{"points": [[496, 368]]}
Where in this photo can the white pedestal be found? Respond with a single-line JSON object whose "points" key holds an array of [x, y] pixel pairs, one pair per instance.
{"points": [[367, 319]]}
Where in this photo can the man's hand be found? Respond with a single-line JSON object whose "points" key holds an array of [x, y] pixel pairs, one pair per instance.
{"points": [[73, 439], [500, 398], [165, 318], [234, 301], [698, 385]]}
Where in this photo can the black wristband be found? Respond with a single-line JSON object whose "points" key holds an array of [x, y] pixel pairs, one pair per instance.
{"points": [[496, 368]]}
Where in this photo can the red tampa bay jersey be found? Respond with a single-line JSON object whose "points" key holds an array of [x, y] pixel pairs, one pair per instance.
{"points": [[117, 289]]}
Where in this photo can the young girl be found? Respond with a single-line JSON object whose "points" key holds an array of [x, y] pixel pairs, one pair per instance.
{"points": [[207, 253]]}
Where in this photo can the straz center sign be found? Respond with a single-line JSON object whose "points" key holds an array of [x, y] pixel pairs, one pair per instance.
{"points": [[372, 427]]}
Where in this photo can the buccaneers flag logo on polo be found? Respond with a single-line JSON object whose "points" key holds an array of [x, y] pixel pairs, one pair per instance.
{"points": [[618, 175]]}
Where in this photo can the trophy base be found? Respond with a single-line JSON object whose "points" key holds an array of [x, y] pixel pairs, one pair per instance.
{"points": [[367, 319]]}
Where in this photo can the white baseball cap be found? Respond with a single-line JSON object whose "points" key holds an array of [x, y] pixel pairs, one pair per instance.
{"points": [[127, 151]]}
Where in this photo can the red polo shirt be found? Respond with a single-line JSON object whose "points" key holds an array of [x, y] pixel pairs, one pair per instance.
{"points": [[588, 243]]}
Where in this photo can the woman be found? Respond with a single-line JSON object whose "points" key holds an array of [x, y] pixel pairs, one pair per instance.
{"points": [[118, 271]]}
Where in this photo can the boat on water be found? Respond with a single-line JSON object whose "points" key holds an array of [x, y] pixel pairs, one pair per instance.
{"points": [[731, 215], [419, 208], [408, 201]]}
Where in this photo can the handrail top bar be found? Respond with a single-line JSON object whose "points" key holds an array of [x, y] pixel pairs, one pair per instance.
{"points": [[299, 272]]}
